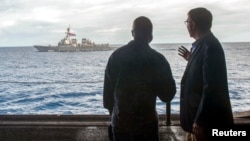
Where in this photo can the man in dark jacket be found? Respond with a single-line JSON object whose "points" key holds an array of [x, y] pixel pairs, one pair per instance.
{"points": [[135, 75], [204, 100]]}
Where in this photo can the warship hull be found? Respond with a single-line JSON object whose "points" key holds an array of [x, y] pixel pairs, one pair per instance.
{"points": [[72, 48]]}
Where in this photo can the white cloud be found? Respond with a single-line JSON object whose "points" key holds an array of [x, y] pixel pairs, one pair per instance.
{"points": [[46, 14], [111, 20], [7, 23], [115, 29]]}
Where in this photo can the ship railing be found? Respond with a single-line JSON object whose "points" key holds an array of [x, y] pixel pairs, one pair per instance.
{"points": [[168, 113]]}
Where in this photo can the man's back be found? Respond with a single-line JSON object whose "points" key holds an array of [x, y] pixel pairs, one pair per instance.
{"points": [[135, 75], [140, 74]]}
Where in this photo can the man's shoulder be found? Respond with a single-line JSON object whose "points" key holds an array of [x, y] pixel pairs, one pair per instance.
{"points": [[211, 40], [157, 54], [131, 48], [120, 49]]}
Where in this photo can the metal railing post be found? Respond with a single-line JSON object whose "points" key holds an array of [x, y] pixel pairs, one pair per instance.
{"points": [[168, 113]]}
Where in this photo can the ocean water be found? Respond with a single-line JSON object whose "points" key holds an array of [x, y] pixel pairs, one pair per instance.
{"points": [[33, 82]]}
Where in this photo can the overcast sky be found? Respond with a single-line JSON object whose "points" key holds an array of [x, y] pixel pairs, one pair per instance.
{"points": [[33, 22]]}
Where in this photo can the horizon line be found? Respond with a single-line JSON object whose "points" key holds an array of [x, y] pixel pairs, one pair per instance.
{"points": [[125, 43]]}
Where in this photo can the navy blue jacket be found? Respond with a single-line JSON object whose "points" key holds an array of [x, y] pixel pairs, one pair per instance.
{"points": [[135, 76], [204, 88]]}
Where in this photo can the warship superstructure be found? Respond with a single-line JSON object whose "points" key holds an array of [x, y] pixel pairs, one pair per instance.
{"points": [[71, 45]]}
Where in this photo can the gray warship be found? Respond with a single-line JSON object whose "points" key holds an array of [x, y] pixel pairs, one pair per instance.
{"points": [[70, 45]]}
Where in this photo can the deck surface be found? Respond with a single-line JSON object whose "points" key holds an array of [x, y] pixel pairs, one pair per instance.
{"points": [[85, 127]]}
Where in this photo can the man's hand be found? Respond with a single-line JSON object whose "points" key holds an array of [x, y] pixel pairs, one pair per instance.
{"points": [[183, 52], [199, 132], [197, 129]]}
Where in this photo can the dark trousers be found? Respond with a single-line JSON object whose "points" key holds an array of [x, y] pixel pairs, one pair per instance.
{"points": [[153, 135]]}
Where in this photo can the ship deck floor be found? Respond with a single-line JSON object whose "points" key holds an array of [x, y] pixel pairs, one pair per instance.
{"points": [[85, 127]]}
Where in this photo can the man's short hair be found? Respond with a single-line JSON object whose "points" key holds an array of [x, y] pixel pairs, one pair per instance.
{"points": [[202, 17]]}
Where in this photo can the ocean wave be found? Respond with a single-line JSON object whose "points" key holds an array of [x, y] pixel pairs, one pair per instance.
{"points": [[72, 83]]}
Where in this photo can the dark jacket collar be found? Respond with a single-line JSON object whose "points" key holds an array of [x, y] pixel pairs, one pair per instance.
{"points": [[197, 42], [138, 44]]}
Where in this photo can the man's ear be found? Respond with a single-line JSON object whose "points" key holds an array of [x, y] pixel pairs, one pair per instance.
{"points": [[150, 38], [133, 33]]}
